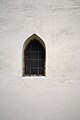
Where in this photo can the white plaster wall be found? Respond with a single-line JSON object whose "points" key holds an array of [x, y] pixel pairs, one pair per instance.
{"points": [[56, 96]]}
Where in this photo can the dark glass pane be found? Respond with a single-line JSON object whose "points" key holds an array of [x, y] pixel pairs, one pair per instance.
{"points": [[41, 63], [41, 47], [34, 45], [28, 70], [41, 55], [28, 63], [41, 71], [34, 55], [34, 63], [34, 71], [28, 55]]}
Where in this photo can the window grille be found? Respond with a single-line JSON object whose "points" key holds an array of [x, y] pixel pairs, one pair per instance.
{"points": [[34, 59]]}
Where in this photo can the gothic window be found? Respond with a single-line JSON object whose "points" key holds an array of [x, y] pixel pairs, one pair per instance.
{"points": [[34, 59]]}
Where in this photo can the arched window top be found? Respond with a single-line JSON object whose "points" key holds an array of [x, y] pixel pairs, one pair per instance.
{"points": [[32, 37], [34, 56]]}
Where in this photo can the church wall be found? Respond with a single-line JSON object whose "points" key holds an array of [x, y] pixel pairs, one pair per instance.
{"points": [[55, 96]]}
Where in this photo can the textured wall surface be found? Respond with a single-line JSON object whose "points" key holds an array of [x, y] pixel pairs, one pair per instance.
{"points": [[56, 96]]}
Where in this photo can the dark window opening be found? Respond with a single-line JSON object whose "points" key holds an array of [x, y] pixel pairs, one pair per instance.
{"points": [[34, 59]]}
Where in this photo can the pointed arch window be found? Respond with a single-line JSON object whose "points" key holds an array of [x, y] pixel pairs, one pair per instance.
{"points": [[34, 58]]}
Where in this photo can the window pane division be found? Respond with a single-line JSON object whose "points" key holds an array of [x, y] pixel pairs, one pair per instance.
{"points": [[34, 58]]}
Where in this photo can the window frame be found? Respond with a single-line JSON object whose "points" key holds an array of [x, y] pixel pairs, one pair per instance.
{"points": [[26, 43]]}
